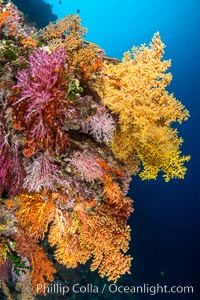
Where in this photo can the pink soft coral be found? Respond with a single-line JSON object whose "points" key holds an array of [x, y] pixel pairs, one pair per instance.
{"points": [[42, 174], [101, 126], [11, 165], [86, 165]]}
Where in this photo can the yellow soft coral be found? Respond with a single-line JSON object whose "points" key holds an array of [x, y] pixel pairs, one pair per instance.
{"points": [[3, 251], [154, 160], [135, 90]]}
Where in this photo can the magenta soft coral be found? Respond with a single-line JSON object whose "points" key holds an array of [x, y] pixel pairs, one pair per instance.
{"points": [[39, 82], [42, 103]]}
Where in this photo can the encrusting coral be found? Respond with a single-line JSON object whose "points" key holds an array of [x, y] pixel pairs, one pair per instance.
{"points": [[75, 125]]}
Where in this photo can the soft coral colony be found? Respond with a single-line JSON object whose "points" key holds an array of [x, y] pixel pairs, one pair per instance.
{"points": [[75, 126]]}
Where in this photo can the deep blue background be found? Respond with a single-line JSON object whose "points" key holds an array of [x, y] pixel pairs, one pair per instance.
{"points": [[165, 224]]}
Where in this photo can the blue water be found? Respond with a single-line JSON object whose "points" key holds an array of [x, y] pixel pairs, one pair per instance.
{"points": [[165, 224]]}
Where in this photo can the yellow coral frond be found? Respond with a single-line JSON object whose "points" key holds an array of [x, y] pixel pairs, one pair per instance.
{"points": [[3, 251], [174, 165], [154, 159], [135, 90]]}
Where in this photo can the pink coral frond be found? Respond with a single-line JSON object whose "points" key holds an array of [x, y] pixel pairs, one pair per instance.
{"points": [[39, 130], [101, 126], [11, 165], [42, 174], [86, 165], [16, 171]]}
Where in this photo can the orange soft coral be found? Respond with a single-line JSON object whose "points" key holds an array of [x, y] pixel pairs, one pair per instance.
{"points": [[107, 241], [35, 213], [115, 204], [4, 15], [28, 42], [9, 19], [64, 234], [42, 269]]}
